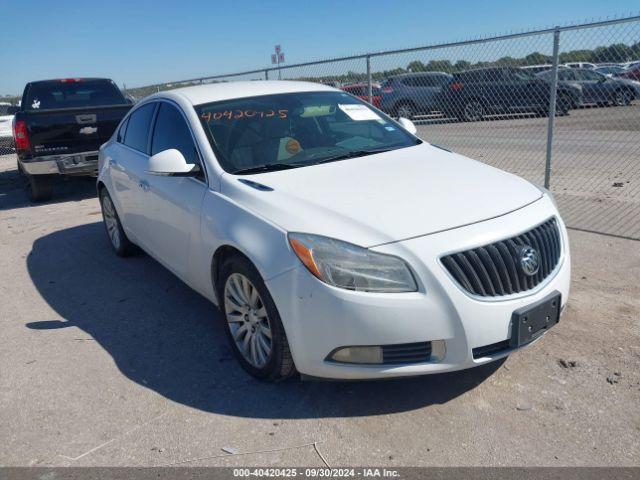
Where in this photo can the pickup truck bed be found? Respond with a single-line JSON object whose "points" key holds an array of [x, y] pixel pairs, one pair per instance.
{"points": [[60, 127]]}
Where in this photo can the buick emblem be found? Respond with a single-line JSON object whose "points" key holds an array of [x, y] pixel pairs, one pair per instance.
{"points": [[529, 260]]}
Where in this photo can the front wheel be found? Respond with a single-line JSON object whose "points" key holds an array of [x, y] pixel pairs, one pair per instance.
{"points": [[253, 325]]}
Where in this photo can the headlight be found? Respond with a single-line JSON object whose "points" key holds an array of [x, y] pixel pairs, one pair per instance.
{"points": [[345, 265]]}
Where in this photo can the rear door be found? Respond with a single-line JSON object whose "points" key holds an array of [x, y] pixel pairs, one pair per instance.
{"points": [[172, 204], [128, 165], [594, 86]]}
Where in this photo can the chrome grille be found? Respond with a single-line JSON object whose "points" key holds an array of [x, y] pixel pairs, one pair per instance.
{"points": [[494, 270]]}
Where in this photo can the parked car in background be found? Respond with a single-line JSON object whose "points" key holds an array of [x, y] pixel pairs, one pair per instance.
{"points": [[60, 127], [609, 70], [361, 90], [473, 94], [334, 242], [632, 72], [581, 65], [7, 111], [411, 94], [596, 88], [540, 68]]}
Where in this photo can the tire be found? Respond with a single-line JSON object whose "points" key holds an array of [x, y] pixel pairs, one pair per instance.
{"points": [[563, 105], [622, 98], [250, 317], [405, 110], [473, 111], [117, 238], [39, 188]]}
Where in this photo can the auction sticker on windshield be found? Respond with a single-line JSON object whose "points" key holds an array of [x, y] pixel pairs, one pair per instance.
{"points": [[358, 112]]}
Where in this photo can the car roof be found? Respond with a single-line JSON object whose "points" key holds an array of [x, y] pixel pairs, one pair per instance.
{"points": [[420, 74], [78, 79], [215, 92]]}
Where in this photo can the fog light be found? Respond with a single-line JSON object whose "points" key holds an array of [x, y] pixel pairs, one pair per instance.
{"points": [[357, 355]]}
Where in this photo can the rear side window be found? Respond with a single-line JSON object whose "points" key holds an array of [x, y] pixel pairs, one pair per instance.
{"points": [[122, 130], [171, 131], [137, 133], [73, 94]]}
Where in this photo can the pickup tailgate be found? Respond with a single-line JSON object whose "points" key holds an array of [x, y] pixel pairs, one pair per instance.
{"points": [[66, 131]]}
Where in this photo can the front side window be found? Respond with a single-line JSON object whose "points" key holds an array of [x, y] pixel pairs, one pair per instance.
{"points": [[296, 130], [137, 133], [171, 131]]}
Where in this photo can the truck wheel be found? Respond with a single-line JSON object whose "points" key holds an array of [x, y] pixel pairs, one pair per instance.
{"points": [[39, 188], [119, 241]]}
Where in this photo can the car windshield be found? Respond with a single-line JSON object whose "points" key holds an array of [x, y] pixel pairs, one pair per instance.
{"points": [[299, 129]]}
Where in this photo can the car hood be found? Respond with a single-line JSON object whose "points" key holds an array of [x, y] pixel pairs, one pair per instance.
{"points": [[382, 198]]}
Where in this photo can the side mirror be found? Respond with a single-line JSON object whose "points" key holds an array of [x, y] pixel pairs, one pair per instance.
{"points": [[171, 163], [408, 125]]}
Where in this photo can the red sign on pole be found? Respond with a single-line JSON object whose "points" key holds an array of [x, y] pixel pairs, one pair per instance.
{"points": [[274, 59], [278, 49], [280, 57]]}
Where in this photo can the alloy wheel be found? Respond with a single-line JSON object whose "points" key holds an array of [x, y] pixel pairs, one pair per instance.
{"points": [[248, 320], [473, 111], [111, 221], [405, 111]]}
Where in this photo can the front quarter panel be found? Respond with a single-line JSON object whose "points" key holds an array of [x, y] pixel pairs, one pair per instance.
{"points": [[226, 223]]}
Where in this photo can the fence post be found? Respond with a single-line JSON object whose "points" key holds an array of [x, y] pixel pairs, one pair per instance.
{"points": [[266, 74], [369, 90], [552, 106]]}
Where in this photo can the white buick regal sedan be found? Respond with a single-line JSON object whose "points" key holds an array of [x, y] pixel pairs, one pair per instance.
{"points": [[335, 242]]}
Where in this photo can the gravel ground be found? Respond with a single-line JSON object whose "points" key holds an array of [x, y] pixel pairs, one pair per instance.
{"points": [[115, 362]]}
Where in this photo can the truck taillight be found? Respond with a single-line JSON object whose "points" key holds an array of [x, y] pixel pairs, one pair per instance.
{"points": [[21, 135], [456, 86], [387, 89]]}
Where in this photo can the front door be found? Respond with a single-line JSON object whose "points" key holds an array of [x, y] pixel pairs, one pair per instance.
{"points": [[172, 204]]}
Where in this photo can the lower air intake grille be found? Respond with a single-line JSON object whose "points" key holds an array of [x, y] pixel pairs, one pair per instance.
{"points": [[406, 353], [496, 269], [489, 350]]}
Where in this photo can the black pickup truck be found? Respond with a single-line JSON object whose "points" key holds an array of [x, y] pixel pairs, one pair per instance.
{"points": [[60, 127]]}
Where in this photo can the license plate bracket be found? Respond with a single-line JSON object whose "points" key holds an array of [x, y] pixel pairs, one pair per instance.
{"points": [[528, 323]]}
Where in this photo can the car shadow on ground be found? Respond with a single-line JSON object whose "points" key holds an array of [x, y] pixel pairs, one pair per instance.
{"points": [[65, 189], [167, 338]]}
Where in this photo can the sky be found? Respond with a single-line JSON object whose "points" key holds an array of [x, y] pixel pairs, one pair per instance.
{"points": [[145, 42]]}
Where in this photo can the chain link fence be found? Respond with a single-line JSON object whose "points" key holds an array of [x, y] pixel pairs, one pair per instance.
{"points": [[559, 106]]}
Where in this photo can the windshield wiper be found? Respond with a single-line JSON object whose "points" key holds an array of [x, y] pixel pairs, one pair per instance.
{"points": [[271, 167], [352, 154]]}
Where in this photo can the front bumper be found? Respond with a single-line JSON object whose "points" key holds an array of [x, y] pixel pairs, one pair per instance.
{"points": [[83, 163], [319, 318]]}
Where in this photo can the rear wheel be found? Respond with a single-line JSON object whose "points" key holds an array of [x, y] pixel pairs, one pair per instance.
{"points": [[622, 98], [39, 188], [563, 105], [405, 110], [253, 325], [119, 241], [473, 111]]}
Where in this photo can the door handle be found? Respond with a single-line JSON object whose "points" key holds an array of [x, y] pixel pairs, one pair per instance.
{"points": [[144, 185]]}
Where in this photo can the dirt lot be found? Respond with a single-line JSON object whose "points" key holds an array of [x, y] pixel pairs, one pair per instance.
{"points": [[106, 361]]}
